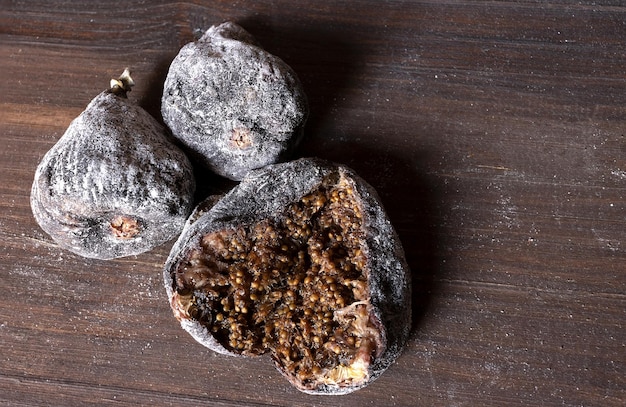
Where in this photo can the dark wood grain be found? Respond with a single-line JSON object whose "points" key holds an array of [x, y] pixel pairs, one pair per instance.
{"points": [[493, 131]]}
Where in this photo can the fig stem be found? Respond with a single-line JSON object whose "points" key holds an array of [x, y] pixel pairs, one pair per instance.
{"points": [[123, 84]]}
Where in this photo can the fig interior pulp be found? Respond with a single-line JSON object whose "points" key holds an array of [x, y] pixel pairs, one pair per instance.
{"points": [[295, 286]]}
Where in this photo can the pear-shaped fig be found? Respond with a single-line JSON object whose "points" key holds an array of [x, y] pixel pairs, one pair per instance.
{"points": [[234, 106], [113, 185], [299, 261]]}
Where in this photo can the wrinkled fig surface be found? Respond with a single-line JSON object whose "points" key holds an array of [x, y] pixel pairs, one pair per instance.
{"points": [[113, 185], [298, 261], [233, 105]]}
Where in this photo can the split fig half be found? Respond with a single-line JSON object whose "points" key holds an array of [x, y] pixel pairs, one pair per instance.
{"points": [[234, 106], [299, 261], [114, 184]]}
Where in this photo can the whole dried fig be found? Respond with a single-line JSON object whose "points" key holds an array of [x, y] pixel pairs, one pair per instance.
{"points": [[299, 261], [233, 105], [114, 184]]}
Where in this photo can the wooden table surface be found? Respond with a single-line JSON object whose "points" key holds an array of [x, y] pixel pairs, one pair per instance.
{"points": [[494, 132]]}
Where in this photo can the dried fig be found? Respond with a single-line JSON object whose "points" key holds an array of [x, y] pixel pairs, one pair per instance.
{"points": [[114, 184], [233, 105], [299, 261]]}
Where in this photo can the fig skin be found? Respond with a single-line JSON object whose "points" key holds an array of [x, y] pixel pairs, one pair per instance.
{"points": [[264, 194], [234, 106], [113, 185]]}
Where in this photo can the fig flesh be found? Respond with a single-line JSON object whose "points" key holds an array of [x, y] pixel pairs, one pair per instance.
{"points": [[299, 261]]}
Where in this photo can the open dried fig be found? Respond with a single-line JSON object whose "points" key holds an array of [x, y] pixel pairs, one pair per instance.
{"points": [[299, 261], [233, 105], [114, 184]]}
